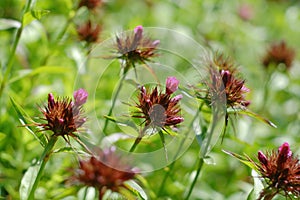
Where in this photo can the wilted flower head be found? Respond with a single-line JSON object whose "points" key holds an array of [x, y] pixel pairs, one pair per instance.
{"points": [[135, 47], [63, 116], [281, 171], [90, 4], [279, 53], [224, 82], [159, 109], [88, 32], [106, 171]]}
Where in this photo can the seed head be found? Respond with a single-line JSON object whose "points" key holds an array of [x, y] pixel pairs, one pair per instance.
{"points": [[281, 171], [159, 109]]}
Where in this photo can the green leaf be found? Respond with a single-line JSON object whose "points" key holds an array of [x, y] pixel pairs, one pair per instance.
{"points": [[26, 120], [254, 115], [9, 23], [121, 123], [27, 181], [32, 15], [2, 136], [258, 186], [40, 70], [136, 189], [109, 140], [244, 159]]}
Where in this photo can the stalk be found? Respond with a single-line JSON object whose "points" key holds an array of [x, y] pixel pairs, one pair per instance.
{"points": [[9, 64], [171, 167], [203, 154], [114, 102], [43, 160]]}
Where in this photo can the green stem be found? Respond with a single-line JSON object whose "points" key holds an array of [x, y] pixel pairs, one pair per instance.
{"points": [[136, 142], [203, 154], [200, 164], [114, 102], [43, 161], [162, 137], [171, 167], [9, 64]]}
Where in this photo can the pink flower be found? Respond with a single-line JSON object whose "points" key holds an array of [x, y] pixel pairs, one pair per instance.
{"points": [[80, 96], [171, 85]]}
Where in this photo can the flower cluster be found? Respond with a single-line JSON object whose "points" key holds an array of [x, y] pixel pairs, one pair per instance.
{"points": [[63, 116], [279, 53], [89, 33], [281, 171], [159, 109], [106, 171], [135, 48]]}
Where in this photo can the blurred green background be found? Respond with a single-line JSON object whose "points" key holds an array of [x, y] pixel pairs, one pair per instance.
{"points": [[46, 61]]}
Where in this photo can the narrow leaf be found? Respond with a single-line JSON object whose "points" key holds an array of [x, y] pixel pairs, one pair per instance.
{"points": [[39, 70], [27, 181], [136, 189], [121, 123], [254, 115], [32, 15], [244, 159], [9, 23], [26, 120]]}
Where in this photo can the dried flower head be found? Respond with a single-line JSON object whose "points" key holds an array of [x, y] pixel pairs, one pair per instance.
{"points": [[135, 48], [90, 4], [63, 116], [88, 32], [103, 172], [224, 82], [279, 53], [281, 171], [159, 109]]}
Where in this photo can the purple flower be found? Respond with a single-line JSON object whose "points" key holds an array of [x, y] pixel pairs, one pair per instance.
{"points": [[171, 85], [80, 97]]}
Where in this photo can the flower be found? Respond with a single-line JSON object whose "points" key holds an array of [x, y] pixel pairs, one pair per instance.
{"points": [[135, 48], [80, 97], [281, 171], [90, 4], [223, 82], [63, 116], [160, 109], [88, 33], [105, 171], [279, 53], [245, 12]]}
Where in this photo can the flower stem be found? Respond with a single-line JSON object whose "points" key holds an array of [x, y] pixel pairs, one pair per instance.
{"points": [[114, 102], [136, 142], [203, 154], [9, 64], [43, 161], [171, 167], [200, 164]]}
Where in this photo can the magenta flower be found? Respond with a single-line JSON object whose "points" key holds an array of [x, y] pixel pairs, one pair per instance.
{"points": [[160, 109], [80, 97], [171, 85], [62, 116], [281, 172]]}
